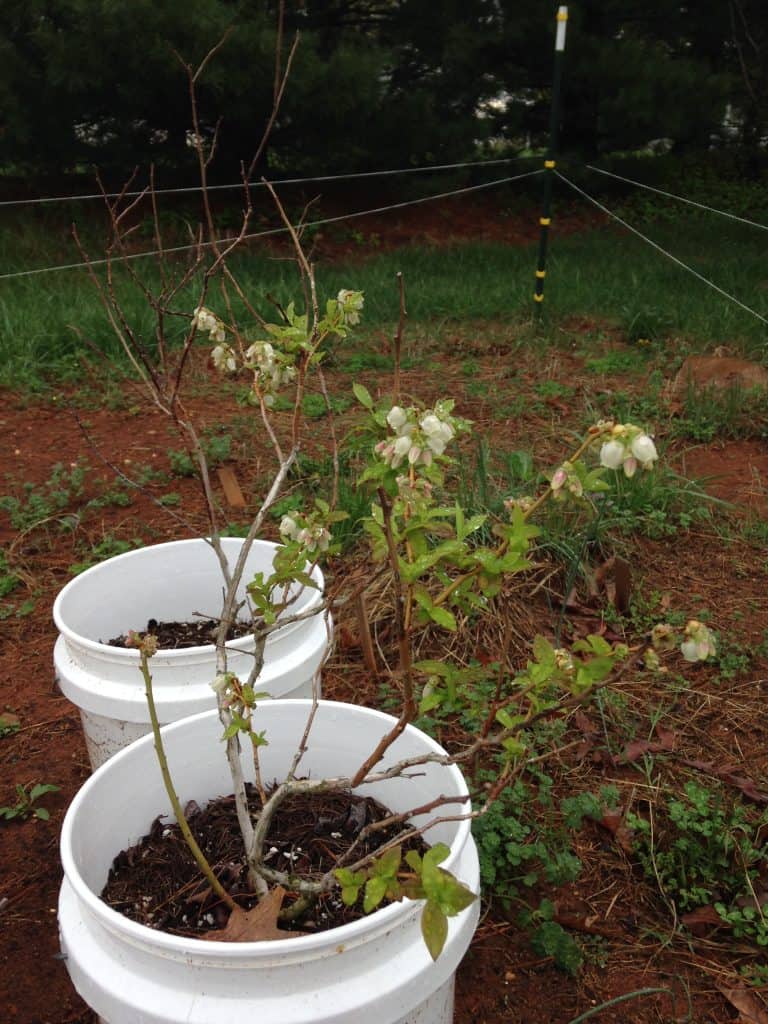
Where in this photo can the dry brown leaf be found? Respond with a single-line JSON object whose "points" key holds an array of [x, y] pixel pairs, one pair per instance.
{"points": [[664, 742], [614, 822], [747, 786], [579, 921], [255, 925], [749, 1005], [702, 920]]}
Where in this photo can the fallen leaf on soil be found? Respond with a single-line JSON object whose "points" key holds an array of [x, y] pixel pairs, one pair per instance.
{"points": [[665, 741], [614, 822], [582, 922], [747, 786], [747, 1003], [615, 577], [702, 920], [254, 925]]}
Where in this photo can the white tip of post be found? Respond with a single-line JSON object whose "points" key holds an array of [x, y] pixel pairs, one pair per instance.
{"points": [[562, 21]]}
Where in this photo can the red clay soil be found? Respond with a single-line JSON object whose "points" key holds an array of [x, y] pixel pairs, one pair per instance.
{"points": [[501, 980]]}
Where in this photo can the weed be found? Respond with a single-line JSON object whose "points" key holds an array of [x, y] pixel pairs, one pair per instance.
{"points": [[8, 581], [35, 504], [618, 361], [704, 848], [522, 841], [732, 412], [169, 500], [145, 474], [646, 324], [734, 659], [216, 447], [9, 724], [622, 406], [553, 389], [25, 802], [548, 938], [116, 495], [654, 504], [314, 405], [106, 548], [360, 361]]}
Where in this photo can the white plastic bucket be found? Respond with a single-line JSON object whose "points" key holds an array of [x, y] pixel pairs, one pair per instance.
{"points": [[171, 582], [375, 970]]}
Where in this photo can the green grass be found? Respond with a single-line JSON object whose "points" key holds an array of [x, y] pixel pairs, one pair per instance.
{"points": [[47, 321]]}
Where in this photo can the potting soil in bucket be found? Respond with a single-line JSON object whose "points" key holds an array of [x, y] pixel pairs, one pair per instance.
{"points": [[170, 582], [376, 970]]}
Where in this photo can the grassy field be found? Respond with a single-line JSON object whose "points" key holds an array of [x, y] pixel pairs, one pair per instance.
{"points": [[47, 320]]}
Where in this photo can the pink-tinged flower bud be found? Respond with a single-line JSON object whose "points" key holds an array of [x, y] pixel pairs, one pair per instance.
{"points": [[630, 466], [558, 479]]}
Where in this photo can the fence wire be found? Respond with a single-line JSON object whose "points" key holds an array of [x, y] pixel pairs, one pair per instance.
{"points": [[680, 199], [425, 169], [271, 231], [659, 248]]}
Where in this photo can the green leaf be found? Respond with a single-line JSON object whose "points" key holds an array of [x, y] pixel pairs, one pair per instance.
{"points": [[507, 720], [41, 789], [455, 895], [443, 618], [42, 814], [413, 860], [375, 890], [434, 928], [387, 864], [351, 882], [434, 668], [436, 854], [363, 396], [428, 703]]}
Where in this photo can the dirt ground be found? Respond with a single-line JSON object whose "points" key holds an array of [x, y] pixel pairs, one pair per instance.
{"points": [[631, 944]]}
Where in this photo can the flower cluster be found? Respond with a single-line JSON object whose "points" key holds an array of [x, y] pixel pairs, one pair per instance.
{"points": [[350, 306], [312, 535], [223, 685], [224, 359], [223, 355], [271, 369], [628, 448], [699, 644], [419, 436], [205, 320]]}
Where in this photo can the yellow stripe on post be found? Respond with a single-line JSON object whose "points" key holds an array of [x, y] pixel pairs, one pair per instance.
{"points": [[538, 298], [545, 221], [550, 165], [541, 273]]}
